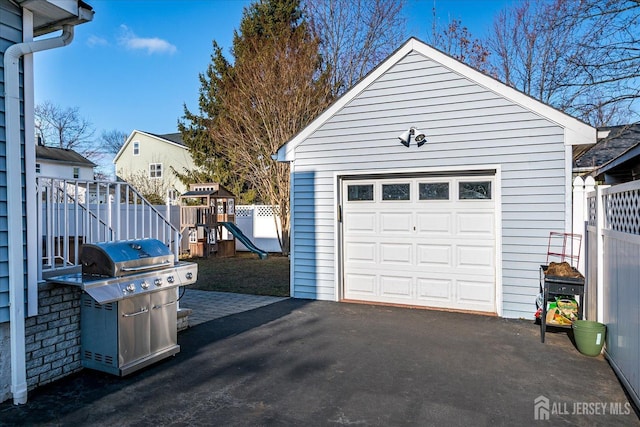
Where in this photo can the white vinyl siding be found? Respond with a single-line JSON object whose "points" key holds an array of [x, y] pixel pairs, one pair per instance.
{"points": [[467, 127]]}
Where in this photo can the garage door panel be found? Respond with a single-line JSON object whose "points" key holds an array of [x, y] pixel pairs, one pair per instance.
{"points": [[396, 223], [475, 256], [396, 253], [361, 222], [434, 223], [360, 252], [361, 285], [434, 256], [433, 289], [396, 286], [474, 292], [475, 224]]}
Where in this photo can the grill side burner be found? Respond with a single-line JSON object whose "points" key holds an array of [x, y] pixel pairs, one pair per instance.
{"points": [[128, 315]]}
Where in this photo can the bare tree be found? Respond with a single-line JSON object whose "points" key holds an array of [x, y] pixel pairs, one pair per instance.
{"points": [[355, 35], [153, 189], [113, 140], [611, 61], [531, 43], [275, 91], [579, 56], [456, 40], [64, 128]]}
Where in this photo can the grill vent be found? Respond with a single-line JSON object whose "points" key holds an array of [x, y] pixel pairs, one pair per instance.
{"points": [[91, 303], [99, 357]]}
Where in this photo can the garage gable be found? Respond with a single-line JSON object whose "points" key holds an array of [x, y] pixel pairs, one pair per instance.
{"points": [[576, 131]]}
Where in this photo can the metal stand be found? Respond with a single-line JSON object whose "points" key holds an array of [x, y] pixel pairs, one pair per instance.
{"points": [[554, 285]]}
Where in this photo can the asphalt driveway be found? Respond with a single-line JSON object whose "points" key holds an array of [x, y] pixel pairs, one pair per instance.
{"points": [[299, 362]]}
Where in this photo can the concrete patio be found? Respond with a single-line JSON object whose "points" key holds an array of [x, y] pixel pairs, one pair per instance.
{"points": [[298, 362]]}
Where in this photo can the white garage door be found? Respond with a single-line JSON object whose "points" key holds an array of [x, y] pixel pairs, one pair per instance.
{"points": [[420, 241]]}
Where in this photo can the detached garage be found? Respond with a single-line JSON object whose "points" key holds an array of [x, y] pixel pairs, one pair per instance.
{"points": [[430, 184]]}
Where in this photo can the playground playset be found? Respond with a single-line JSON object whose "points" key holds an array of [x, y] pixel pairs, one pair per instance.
{"points": [[207, 212]]}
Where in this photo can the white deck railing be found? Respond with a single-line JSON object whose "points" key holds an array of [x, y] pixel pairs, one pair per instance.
{"points": [[73, 212]]}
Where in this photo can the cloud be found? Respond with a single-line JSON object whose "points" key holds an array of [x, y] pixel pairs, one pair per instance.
{"points": [[152, 45], [93, 41]]}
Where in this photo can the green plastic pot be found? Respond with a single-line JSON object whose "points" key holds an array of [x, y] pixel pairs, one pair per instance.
{"points": [[589, 336]]}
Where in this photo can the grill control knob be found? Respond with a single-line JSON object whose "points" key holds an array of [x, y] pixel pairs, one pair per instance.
{"points": [[158, 282], [189, 276], [144, 285], [131, 287], [170, 279]]}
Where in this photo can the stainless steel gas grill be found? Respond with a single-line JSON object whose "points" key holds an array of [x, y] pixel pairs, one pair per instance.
{"points": [[129, 304]]}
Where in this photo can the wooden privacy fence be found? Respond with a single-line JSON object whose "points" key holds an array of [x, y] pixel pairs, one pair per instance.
{"points": [[611, 222]]}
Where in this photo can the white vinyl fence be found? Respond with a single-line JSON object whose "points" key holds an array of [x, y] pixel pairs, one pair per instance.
{"points": [[258, 223], [612, 218]]}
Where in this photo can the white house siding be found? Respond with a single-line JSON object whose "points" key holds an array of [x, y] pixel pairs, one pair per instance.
{"points": [[65, 171], [467, 127]]}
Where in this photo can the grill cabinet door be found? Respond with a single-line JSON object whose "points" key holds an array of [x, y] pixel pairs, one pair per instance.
{"points": [[133, 335], [163, 320]]}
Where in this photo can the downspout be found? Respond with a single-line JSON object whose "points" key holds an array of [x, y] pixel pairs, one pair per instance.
{"points": [[16, 255]]}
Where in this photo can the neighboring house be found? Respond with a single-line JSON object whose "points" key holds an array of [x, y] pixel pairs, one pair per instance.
{"points": [[460, 221], [152, 158], [20, 22], [615, 158], [62, 163]]}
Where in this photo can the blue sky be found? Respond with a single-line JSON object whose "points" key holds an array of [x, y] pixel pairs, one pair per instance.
{"points": [[137, 62]]}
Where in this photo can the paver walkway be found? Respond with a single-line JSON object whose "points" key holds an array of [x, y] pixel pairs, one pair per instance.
{"points": [[209, 305]]}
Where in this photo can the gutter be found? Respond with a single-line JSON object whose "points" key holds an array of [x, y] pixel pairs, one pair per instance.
{"points": [[16, 256]]}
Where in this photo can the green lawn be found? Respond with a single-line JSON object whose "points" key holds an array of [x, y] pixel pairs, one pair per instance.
{"points": [[245, 274]]}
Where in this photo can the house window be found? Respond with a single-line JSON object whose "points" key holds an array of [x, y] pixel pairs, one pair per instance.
{"points": [[37, 167], [76, 173], [155, 170], [136, 148]]}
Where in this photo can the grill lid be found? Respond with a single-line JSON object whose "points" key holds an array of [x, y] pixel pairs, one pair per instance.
{"points": [[122, 258]]}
